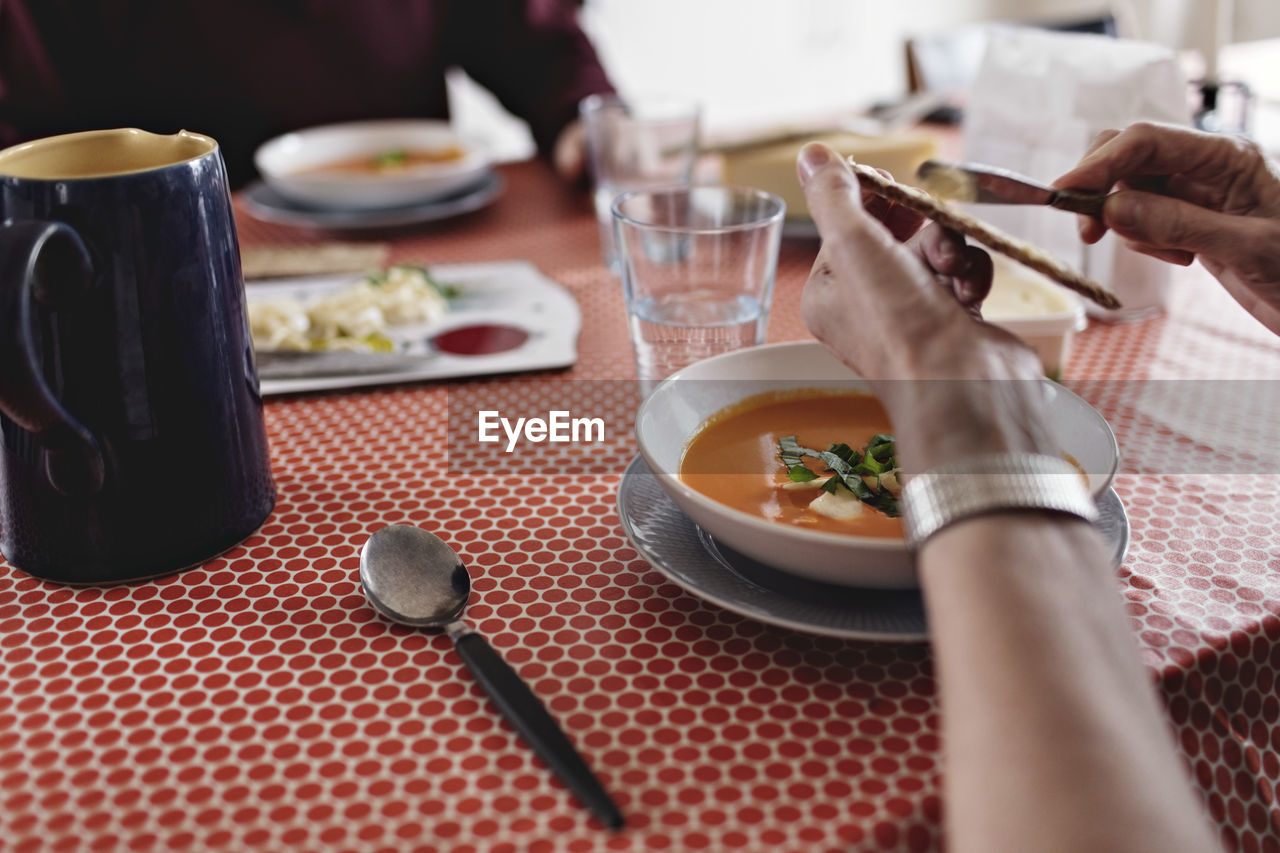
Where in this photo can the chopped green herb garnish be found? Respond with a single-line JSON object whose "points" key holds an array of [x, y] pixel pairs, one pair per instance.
{"points": [[869, 467], [388, 159], [886, 503], [845, 452], [792, 453], [847, 467], [380, 277], [801, 474], [881, 447]]}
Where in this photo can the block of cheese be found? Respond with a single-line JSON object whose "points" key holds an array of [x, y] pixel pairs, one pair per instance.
{"points": [[772, 166]]}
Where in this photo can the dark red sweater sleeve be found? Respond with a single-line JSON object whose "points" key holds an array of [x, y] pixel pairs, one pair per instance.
{"points": [[255, 68], [532, 55]]}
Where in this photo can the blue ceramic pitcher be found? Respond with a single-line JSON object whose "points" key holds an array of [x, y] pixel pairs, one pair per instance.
{"points": [[132, 441]]}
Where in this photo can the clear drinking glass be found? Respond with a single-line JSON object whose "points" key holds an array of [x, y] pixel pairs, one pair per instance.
{"points": [[698, 265], [634, 143]]}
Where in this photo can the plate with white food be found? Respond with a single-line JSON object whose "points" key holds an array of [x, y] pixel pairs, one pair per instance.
{"points": [[409, 323]]}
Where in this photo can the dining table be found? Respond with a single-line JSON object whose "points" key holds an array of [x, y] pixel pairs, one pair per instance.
{"points": [[258, 701]]}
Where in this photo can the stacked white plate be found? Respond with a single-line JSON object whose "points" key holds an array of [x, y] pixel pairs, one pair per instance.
{"points": [[297, 189]]}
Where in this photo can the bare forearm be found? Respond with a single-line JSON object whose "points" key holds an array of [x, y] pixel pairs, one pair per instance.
{"points": [[1054, 739]]}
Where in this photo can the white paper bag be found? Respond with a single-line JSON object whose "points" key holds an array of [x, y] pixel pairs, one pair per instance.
{"points": [[1037, 102]]}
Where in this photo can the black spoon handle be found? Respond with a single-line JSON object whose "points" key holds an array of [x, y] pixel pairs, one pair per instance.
{"points": [[530, 717]]}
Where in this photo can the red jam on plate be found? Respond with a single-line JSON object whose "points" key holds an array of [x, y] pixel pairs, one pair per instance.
{"points": [[481, 339]]}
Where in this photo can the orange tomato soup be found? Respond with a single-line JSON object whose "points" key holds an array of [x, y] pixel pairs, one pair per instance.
{"points": [[392, 162], [734, 458]]}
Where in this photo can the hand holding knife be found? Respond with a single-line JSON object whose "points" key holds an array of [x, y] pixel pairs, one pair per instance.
{"points": [[970, 182]]}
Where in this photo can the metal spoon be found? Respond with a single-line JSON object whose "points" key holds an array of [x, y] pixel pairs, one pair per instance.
{"points": [[412, 577]]}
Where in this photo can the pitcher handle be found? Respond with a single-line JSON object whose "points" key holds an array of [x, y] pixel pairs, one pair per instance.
{"points": [[43, 264]]}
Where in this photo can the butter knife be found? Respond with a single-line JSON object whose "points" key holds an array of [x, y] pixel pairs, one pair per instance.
{"points": [[970, 182]]}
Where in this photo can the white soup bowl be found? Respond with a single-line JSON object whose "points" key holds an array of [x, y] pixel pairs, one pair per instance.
{"points": [[682, 404]]}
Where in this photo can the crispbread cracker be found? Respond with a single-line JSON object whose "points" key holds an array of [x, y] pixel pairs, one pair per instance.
{"points": [[993, 238], [312, 259]]}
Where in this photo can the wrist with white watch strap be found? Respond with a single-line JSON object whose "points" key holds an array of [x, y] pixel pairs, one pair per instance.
{"points": [[991, 483]]}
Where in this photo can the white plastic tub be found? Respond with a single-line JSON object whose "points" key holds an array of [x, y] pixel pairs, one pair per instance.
{"points": [[1038, 311]]}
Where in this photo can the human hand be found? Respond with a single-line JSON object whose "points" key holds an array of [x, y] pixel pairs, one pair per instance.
{"points": [[1184, 194], [966, 271], [569, 157], [900, 314]]}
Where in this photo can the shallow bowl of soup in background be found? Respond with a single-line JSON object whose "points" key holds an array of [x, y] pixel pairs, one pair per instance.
{"points": [[369, 165], [683, 406]]}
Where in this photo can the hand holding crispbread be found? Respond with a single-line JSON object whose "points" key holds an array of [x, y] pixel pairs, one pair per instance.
{"points": [[957, 220]]}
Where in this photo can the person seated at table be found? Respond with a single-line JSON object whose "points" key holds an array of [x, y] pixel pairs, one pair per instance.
{"points": [[243, 71], [1053, 734]]}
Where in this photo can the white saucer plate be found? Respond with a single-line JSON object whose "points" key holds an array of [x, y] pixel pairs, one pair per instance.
{"points": [[696, 562], [262, 202]]}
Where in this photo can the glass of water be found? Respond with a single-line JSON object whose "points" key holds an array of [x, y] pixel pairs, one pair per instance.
{"points": [[634, 143], [698, 264]]}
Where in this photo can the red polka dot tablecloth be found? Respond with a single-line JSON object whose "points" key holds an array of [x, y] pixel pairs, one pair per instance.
{"points": [[258, 703]]}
